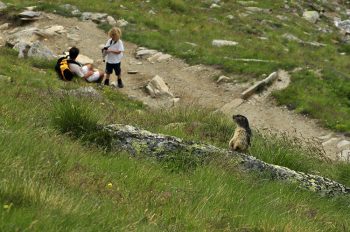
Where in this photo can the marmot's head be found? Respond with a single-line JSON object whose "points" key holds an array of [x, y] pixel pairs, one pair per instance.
{"points": [[241, 121]]}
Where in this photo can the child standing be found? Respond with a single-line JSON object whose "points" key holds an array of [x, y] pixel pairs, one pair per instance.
{"points": [[115, 49]]}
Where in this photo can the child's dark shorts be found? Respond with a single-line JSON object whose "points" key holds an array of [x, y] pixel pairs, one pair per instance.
{"points": [[110, 67]]}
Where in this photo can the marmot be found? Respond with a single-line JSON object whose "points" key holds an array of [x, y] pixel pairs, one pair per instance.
{"points": [[241, 138]]}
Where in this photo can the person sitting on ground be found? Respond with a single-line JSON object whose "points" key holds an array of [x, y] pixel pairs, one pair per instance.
{"points": [[87, 71]]}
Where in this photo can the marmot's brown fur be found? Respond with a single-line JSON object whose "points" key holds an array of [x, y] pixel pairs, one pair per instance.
{"points": [[241, 138]]}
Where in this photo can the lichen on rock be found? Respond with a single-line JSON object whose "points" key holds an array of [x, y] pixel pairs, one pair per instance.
{"points": [[137, 141]]}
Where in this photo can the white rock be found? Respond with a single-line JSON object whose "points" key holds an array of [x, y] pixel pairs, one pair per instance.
{"points": [[325, 137], [330, 142], [220, 43], [122, 23], [144, 53], [157, 88], [41, 51], [214, 6], [31, 8], [223, 79], [29, 14], [343, 144], [111, 20], [344, 156], [175, 100], [53, 30], [253, 9], [311, 16], [76, 12]]}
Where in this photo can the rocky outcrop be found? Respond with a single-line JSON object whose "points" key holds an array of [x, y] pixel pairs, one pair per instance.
{"points": [[141, 142]]}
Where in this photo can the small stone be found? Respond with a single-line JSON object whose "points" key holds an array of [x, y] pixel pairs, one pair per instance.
{"points": [[122, 23], [223, 79], [343, 144], [111, 20], [220, 43], [344, 156], [311, 16], [132, 71], [325, 137], [330, 141], [29, 14]]}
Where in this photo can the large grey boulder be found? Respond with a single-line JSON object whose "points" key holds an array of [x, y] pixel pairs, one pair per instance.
{"points": [[40, 51], [27, 35], [140, 142]]}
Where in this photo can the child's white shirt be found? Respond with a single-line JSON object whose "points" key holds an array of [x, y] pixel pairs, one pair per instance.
{"points": [[111, 57]]}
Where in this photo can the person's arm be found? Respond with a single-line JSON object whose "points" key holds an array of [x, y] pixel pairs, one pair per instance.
{"points": [[89, 73], [76, 69], [117, 50], [114, 51]]}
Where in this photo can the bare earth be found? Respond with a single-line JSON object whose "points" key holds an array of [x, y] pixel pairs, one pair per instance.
{"points": [[192, 84]]}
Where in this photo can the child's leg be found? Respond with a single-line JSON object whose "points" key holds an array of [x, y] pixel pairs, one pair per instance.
{"points": [[108, 72], [120, 82], [118, 72], [105, 79]]}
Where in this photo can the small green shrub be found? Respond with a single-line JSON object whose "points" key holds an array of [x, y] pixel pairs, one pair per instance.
{"points": [[74, 117], [43, 63]]}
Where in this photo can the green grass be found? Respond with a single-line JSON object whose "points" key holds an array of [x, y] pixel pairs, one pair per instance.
{"points": [[325, 97]]}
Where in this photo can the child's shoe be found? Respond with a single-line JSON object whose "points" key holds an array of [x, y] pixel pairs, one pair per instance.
{"points": [[120, 83]]}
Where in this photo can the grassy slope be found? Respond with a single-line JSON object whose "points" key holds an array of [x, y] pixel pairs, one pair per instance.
{"points": [[53, 182], [170, 29]]}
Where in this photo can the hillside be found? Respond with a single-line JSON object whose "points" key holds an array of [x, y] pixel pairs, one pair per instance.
{"points": [[61, 172]]}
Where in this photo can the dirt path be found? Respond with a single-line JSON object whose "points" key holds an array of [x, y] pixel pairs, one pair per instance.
{"points": [[191, 84]]}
